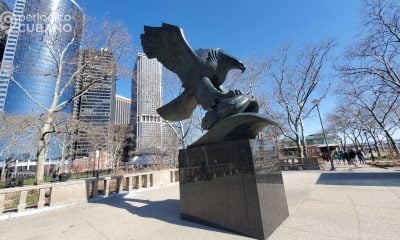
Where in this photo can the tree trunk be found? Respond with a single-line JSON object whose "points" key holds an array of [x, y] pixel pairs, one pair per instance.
{"points": [[356, 143], [183, 143], [389, 146], [381, 144], [41, 158], [362, 142], [41, 154], [299, 147], [62, 166], [305, 149], [392, 142], [3, 168], [376, 144], [3, 172], [303, 139], [344, 142], [62, 162]]}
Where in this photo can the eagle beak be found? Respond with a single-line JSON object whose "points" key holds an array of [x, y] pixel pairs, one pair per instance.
{"points": [[242, 67]]}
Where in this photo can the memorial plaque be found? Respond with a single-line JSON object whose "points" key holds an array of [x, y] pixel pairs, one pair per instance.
{"points": [[236, 186]]}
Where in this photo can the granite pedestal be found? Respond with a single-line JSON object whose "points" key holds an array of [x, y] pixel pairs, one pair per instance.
{"points": [[236, 186]]}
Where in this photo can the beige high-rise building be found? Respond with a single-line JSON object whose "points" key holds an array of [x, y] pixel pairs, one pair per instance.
{"points": [[122, 112], [147, 97]]}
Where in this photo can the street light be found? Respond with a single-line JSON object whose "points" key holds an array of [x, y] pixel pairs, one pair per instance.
{"points": [[98, 162], [96, 158], [316, 103]]}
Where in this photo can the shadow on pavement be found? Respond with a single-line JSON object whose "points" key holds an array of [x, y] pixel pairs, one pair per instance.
{"points": [[165, 210], [360, 179]]}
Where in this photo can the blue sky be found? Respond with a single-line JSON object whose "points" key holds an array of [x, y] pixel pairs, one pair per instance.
{"points": [[240, 27]]}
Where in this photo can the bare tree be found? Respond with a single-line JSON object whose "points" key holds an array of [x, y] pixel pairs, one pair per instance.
{"points": [[297, 81], [94, 135], [377, 54], [117, 140], [153, 148], [185, 130], [377, 101], [77, 167], [252, 80], [370, 74], [65, 127], [108, 35], [15, 133], [369, 127], [355, 122]]}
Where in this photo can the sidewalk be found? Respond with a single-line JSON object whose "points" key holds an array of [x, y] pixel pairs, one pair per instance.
{"points": [[322, 205], [344, 205], [359, 168]]}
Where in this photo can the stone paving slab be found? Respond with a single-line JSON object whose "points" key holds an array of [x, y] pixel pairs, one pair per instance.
{"points": [[345, 211], [318, 210]]}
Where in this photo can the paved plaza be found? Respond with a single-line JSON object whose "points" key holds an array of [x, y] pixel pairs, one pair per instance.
{"points": [[357, 203]]}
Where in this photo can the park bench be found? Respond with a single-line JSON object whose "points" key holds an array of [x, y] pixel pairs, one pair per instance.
{"points": [[291, 164], [297, 163]]}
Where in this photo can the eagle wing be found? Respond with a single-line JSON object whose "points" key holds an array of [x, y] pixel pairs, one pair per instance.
{"points": [[168, 44], [180, 108]]}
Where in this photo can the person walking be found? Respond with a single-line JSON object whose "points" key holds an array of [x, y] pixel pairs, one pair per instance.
{"points": [[361, 156], [336, 156], [346, 158], [341, 157], [352, 157]]}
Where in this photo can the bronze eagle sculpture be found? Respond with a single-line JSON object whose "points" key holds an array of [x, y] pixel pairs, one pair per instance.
{"points": [[202, 73]]}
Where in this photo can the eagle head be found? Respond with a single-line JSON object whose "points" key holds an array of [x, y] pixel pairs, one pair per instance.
{"points": [[230, 62]]}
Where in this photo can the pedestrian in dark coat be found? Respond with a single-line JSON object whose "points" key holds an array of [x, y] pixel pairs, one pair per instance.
{"points": [[346, 157], [361, 156], [352, 157]]}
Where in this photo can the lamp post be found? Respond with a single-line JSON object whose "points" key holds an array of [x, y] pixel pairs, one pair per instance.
{"points": [[98, 162], [94, 164], [369, 146], [316, 103]]}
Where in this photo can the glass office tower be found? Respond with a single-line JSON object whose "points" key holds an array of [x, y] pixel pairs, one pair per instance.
{"points": [[97, 106], [45, 28]]}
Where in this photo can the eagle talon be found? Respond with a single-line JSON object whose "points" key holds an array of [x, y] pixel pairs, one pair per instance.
{"points": [[228, 107]]}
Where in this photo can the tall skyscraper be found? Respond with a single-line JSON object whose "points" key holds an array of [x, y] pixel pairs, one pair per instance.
{"points": [[147, 97], [3, 28], [97, 106], [29, 62], [122, 110]]}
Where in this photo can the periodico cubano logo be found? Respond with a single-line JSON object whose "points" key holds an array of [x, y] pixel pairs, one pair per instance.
{"points": [[35, 23], [5, 21]]}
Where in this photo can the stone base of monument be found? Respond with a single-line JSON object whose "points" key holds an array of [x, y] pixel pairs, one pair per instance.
{"points": [[236, 186]]}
